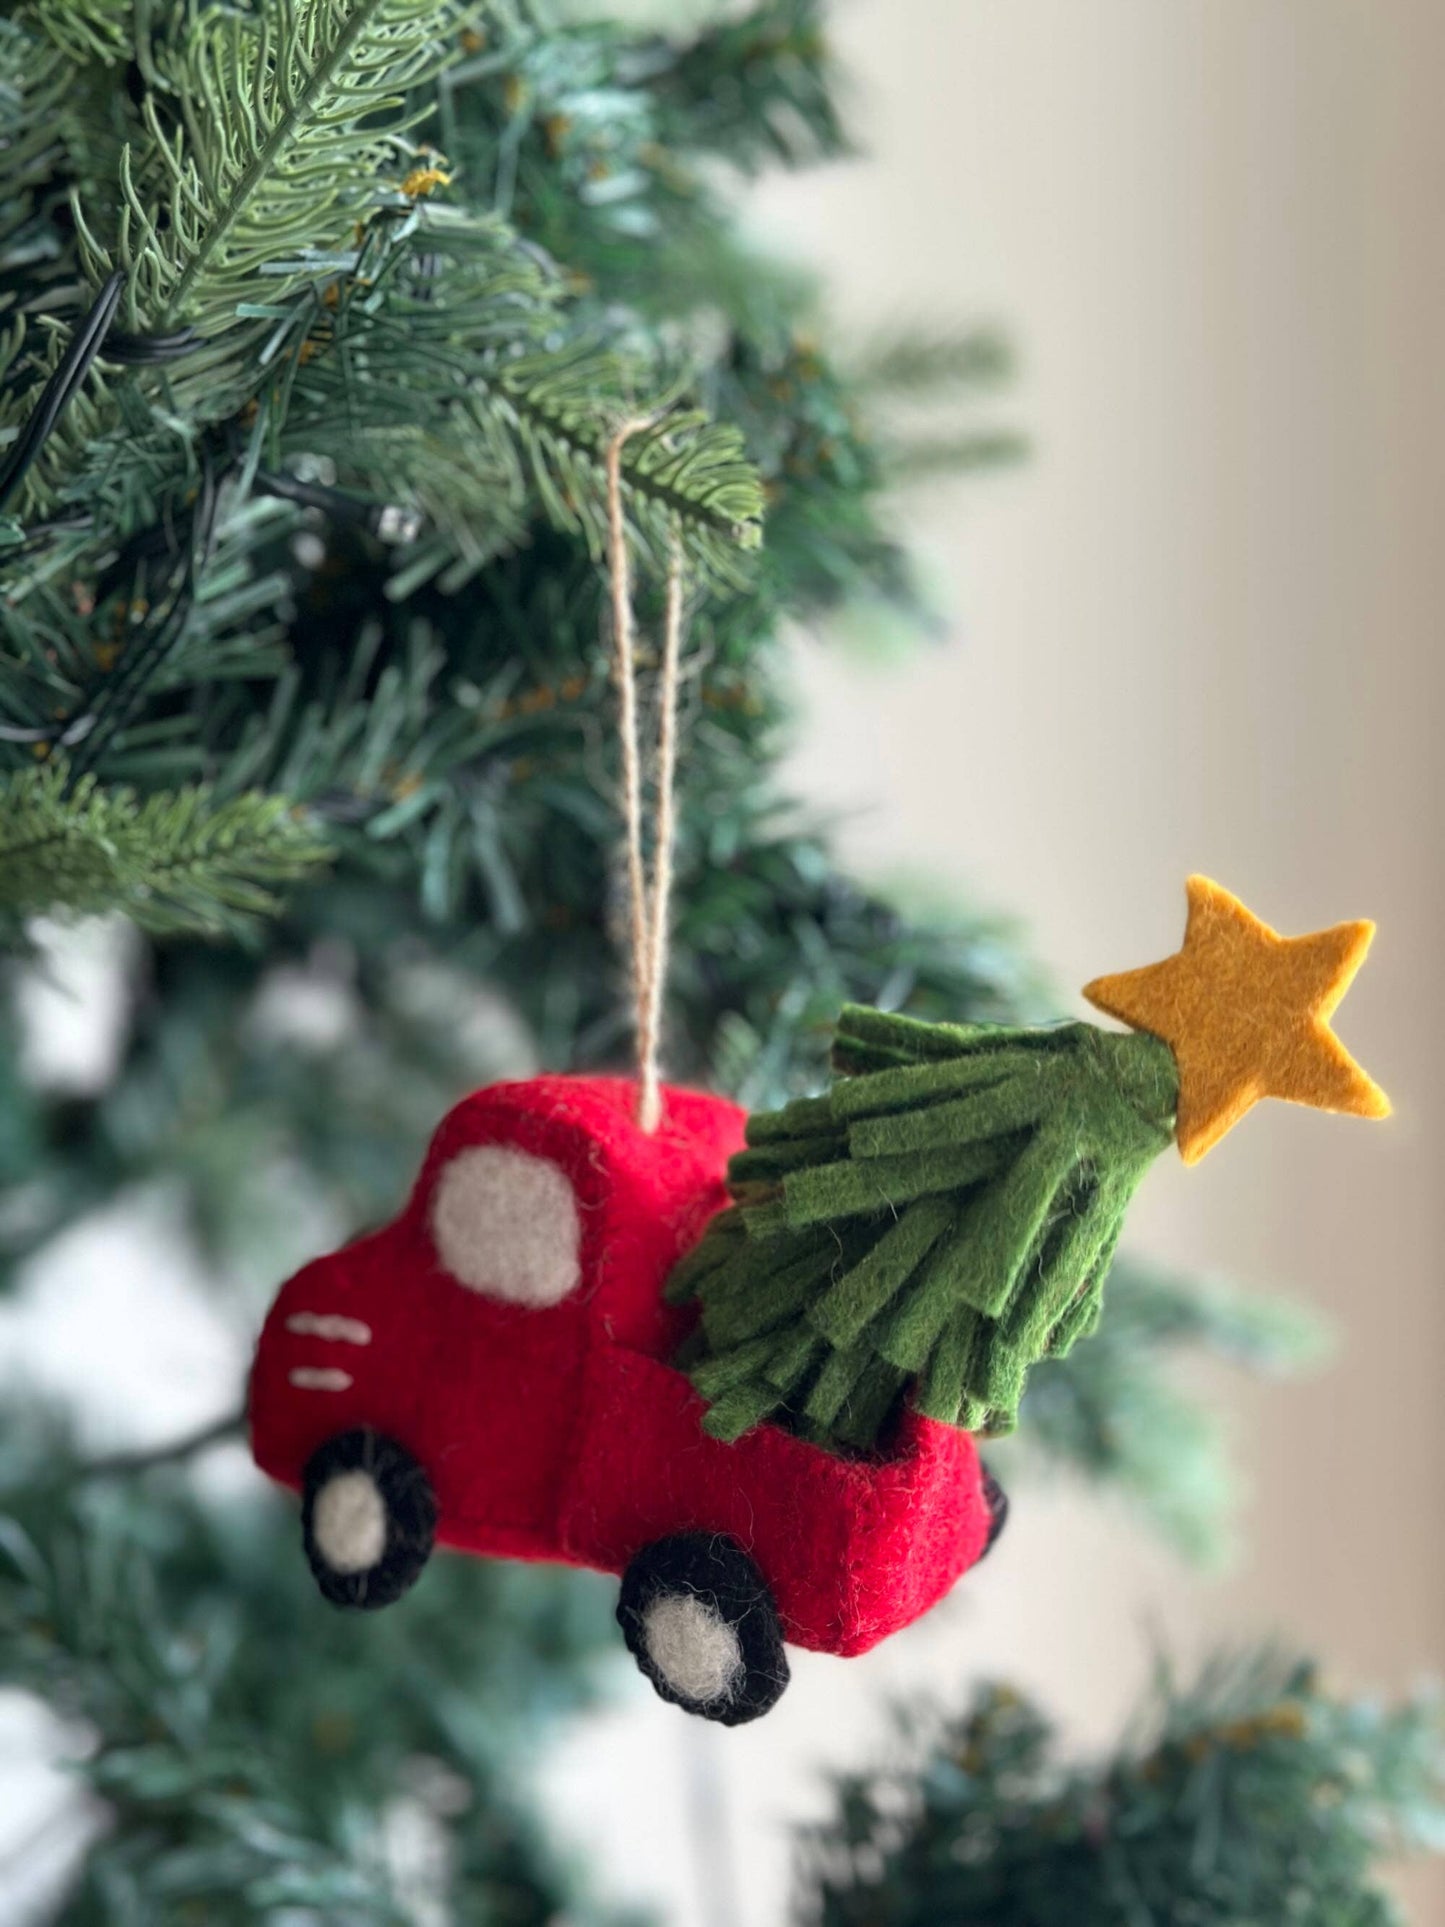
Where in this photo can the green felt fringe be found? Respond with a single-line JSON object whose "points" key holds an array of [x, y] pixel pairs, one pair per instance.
{"points": [[944, 1216]]}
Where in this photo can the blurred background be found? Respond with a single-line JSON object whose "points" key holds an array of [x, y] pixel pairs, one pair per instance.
{"points": [[1196, 630]]}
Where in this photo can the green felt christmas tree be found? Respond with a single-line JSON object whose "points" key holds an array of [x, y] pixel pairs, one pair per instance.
{"points": [[946, 1215]]}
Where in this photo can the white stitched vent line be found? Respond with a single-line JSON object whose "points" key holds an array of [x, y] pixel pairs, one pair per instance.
{"points": [[313, 1378], [329, 1324]]}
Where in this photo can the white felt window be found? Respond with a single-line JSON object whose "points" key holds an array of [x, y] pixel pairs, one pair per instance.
{"points": [[506, 1224]]}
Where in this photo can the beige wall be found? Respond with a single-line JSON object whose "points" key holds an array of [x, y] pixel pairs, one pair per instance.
{"points": [[1200, 631]]}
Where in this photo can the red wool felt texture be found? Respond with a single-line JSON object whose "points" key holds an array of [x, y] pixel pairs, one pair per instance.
{"points": [[562, 1433]]}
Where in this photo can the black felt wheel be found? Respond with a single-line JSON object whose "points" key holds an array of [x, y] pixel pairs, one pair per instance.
{"points": [[368, 1518], [699, 1619], [996, 1499]]}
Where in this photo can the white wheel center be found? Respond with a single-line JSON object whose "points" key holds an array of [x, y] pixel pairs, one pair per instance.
{"points": [[348, 1522], [693, 1647]]}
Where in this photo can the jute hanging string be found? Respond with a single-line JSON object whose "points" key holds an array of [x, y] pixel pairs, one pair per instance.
{"points": [[649, 900]]}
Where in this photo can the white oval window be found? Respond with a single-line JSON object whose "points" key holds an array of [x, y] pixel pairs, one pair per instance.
{"points": [[506, 1224]]}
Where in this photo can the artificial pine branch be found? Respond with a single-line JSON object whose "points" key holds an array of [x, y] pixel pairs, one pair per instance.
{"points": [[786, 109], [83, 30], [1257, 1796], [242, 190], [285, 117], [174, 1636], [35, 93], [172, 861], [70, 652], [109, 1465], [256, 135], [482, 433], [922, 363]]}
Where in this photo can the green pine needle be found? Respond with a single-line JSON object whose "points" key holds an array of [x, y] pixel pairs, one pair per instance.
{"points": [[285, 115], [175, 861]]}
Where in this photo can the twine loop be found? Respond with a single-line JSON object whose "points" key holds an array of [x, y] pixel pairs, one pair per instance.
{"points": [[649, 898]]}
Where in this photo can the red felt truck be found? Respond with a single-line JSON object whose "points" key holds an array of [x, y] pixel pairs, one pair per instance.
{"points": [[491, 1371]]}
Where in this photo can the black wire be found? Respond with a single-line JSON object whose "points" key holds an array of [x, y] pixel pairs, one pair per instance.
{"points": [[336, 503], [93, 334], [143, 661], [85, 345], [37, 538], [145, 351], [312, 495], [156, 539]]}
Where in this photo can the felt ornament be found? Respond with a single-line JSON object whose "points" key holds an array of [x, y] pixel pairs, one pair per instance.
{"points": [[946, 1214], [419, 1389], [740, 1362]]}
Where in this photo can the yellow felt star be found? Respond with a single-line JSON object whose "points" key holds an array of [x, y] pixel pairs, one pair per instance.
{"points": [[1247, 1013]]}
